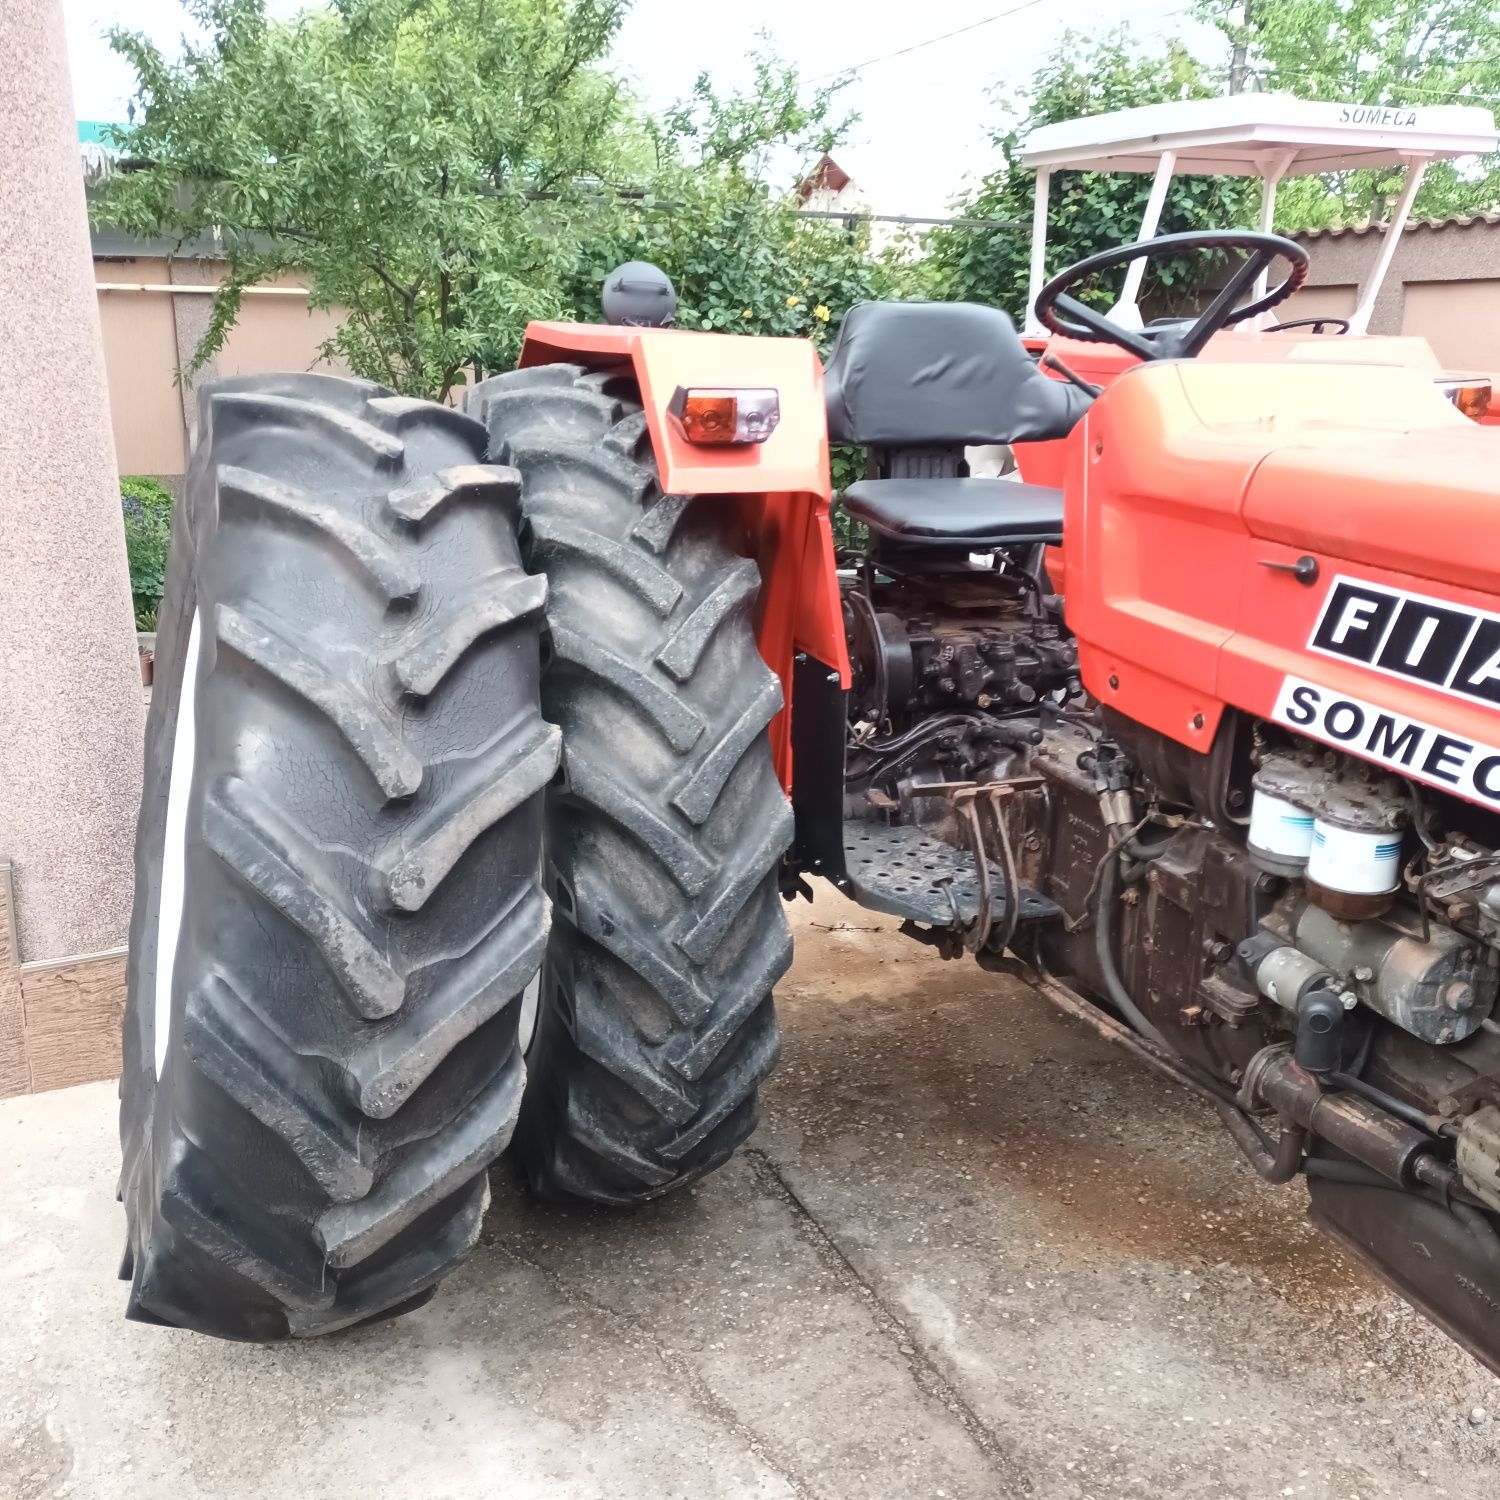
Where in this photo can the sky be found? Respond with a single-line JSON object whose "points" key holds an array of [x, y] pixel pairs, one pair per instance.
{"points": [[926, 116]]}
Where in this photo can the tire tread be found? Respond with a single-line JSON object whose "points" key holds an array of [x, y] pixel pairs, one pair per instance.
{"points": [[666, 829], [343, 1064]]}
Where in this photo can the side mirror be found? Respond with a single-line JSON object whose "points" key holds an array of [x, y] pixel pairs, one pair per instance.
{"points": [[639, 295]]}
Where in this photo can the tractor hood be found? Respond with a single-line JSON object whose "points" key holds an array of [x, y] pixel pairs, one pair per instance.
{"points": [[1423, 499], [1364, 464], [1213, 509]]}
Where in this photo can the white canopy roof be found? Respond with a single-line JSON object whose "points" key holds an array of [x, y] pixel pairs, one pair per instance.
{"points": [[1248, 134]]}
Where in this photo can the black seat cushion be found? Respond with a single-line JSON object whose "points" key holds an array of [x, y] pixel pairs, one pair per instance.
{"points": [[969, 512], [929, 374]]}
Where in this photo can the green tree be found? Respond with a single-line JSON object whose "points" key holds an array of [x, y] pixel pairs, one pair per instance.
{"points": [[741, 258], [1399, 52], [1087, 211], [446, 170], [147, 511], [414, 159]]}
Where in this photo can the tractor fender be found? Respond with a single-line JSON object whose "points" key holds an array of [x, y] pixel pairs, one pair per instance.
{"points": [[782, 486]]}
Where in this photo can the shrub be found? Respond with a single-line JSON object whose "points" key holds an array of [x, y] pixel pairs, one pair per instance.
{"points": [[147, 509]]}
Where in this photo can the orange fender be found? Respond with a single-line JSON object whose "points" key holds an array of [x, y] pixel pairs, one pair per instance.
{"points": [[780, 487]]}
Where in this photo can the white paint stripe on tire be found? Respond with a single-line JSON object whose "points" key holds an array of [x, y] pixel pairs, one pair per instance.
{"points": [[174, 845]]}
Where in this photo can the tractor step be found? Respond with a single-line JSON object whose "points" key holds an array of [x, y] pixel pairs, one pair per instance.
{"points": [[907, 873]]}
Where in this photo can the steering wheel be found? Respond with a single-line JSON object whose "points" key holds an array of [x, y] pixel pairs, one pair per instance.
{"points": [[1185, 340], [1316, 324]]}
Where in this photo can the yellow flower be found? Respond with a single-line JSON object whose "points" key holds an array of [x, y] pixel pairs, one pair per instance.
{"points": [[746, 313], [793, 301], [807, 281], [821, 313]]}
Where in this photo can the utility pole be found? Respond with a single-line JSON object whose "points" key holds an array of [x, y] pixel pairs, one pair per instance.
{"points": [[1238, 56]]}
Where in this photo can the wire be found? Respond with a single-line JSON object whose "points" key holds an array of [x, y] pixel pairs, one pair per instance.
{"points": [[931, 41], [1392, 85], [1013, 226], [1388, 1102], [1419, 819], [1072, 923]]}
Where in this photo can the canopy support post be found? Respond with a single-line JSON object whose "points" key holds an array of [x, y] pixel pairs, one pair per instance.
{"points": [[1276, 168], [1125, 312], [1038, 249], [1359, 320]]}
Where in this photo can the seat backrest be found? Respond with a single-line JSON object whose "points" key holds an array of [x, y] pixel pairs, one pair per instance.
{"points": [[929, 374]]}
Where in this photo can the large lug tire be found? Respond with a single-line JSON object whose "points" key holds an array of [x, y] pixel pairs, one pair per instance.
{"points": [[655, 1025], [337, 903]]}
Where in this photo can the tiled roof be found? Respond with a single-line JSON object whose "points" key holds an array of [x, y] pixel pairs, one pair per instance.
{"points": [[1460, 221]]}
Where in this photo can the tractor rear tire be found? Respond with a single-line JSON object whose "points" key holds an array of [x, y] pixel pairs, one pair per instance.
{"points": [[337, 895], [655, 1023]]}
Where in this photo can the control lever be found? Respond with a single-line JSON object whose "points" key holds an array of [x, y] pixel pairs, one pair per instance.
{"points": [[1052, 362]]}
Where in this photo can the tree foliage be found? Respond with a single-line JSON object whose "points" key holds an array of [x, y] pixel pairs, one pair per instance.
{"points": [[446, 170], [412, 158], [1417, 53], [1087, 211], [741, 258], [147, 511]]}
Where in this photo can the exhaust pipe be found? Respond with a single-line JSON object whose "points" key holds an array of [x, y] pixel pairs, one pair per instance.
{"points": [[1346, 1121]]}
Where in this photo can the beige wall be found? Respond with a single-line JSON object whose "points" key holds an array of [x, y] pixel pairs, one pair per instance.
{"points": [[140, 360], [278, 333], [147, 334], [1318, 302], [1443, 285], [1460, 319]]}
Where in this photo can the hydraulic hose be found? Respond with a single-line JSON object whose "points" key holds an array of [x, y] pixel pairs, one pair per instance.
{"points": [[1388, 1102], [1104, 951], [1145, 850], [1276, 1166], [1282, 1164]]}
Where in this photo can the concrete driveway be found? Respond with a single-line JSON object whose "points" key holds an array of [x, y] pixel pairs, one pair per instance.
{"points": [[971, 1252]]}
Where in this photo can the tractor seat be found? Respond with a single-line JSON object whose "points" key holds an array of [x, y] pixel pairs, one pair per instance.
{"points": [[978, 513], [915, 383]]}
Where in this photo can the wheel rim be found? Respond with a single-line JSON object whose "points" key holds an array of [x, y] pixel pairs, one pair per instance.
{"points": [[174, 847]]}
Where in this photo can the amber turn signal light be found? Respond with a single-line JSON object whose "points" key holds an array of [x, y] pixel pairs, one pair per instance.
{"points": [[716, 417], [1469, 393]]}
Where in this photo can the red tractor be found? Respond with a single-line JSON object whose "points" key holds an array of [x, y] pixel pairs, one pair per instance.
{"points": [[1206, 742]]}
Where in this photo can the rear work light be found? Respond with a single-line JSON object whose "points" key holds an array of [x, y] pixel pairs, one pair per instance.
{"points": [[724, 417]]}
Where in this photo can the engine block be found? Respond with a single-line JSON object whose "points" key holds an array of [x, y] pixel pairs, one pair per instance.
{"points": [[989, 646]]}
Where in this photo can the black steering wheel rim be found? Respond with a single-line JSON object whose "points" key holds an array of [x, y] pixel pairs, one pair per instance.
{"points": [[1316, 324], [1082, 322]]}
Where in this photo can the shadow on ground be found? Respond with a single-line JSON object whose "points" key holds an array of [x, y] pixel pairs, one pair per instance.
{"points": [[970, 1253]]}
